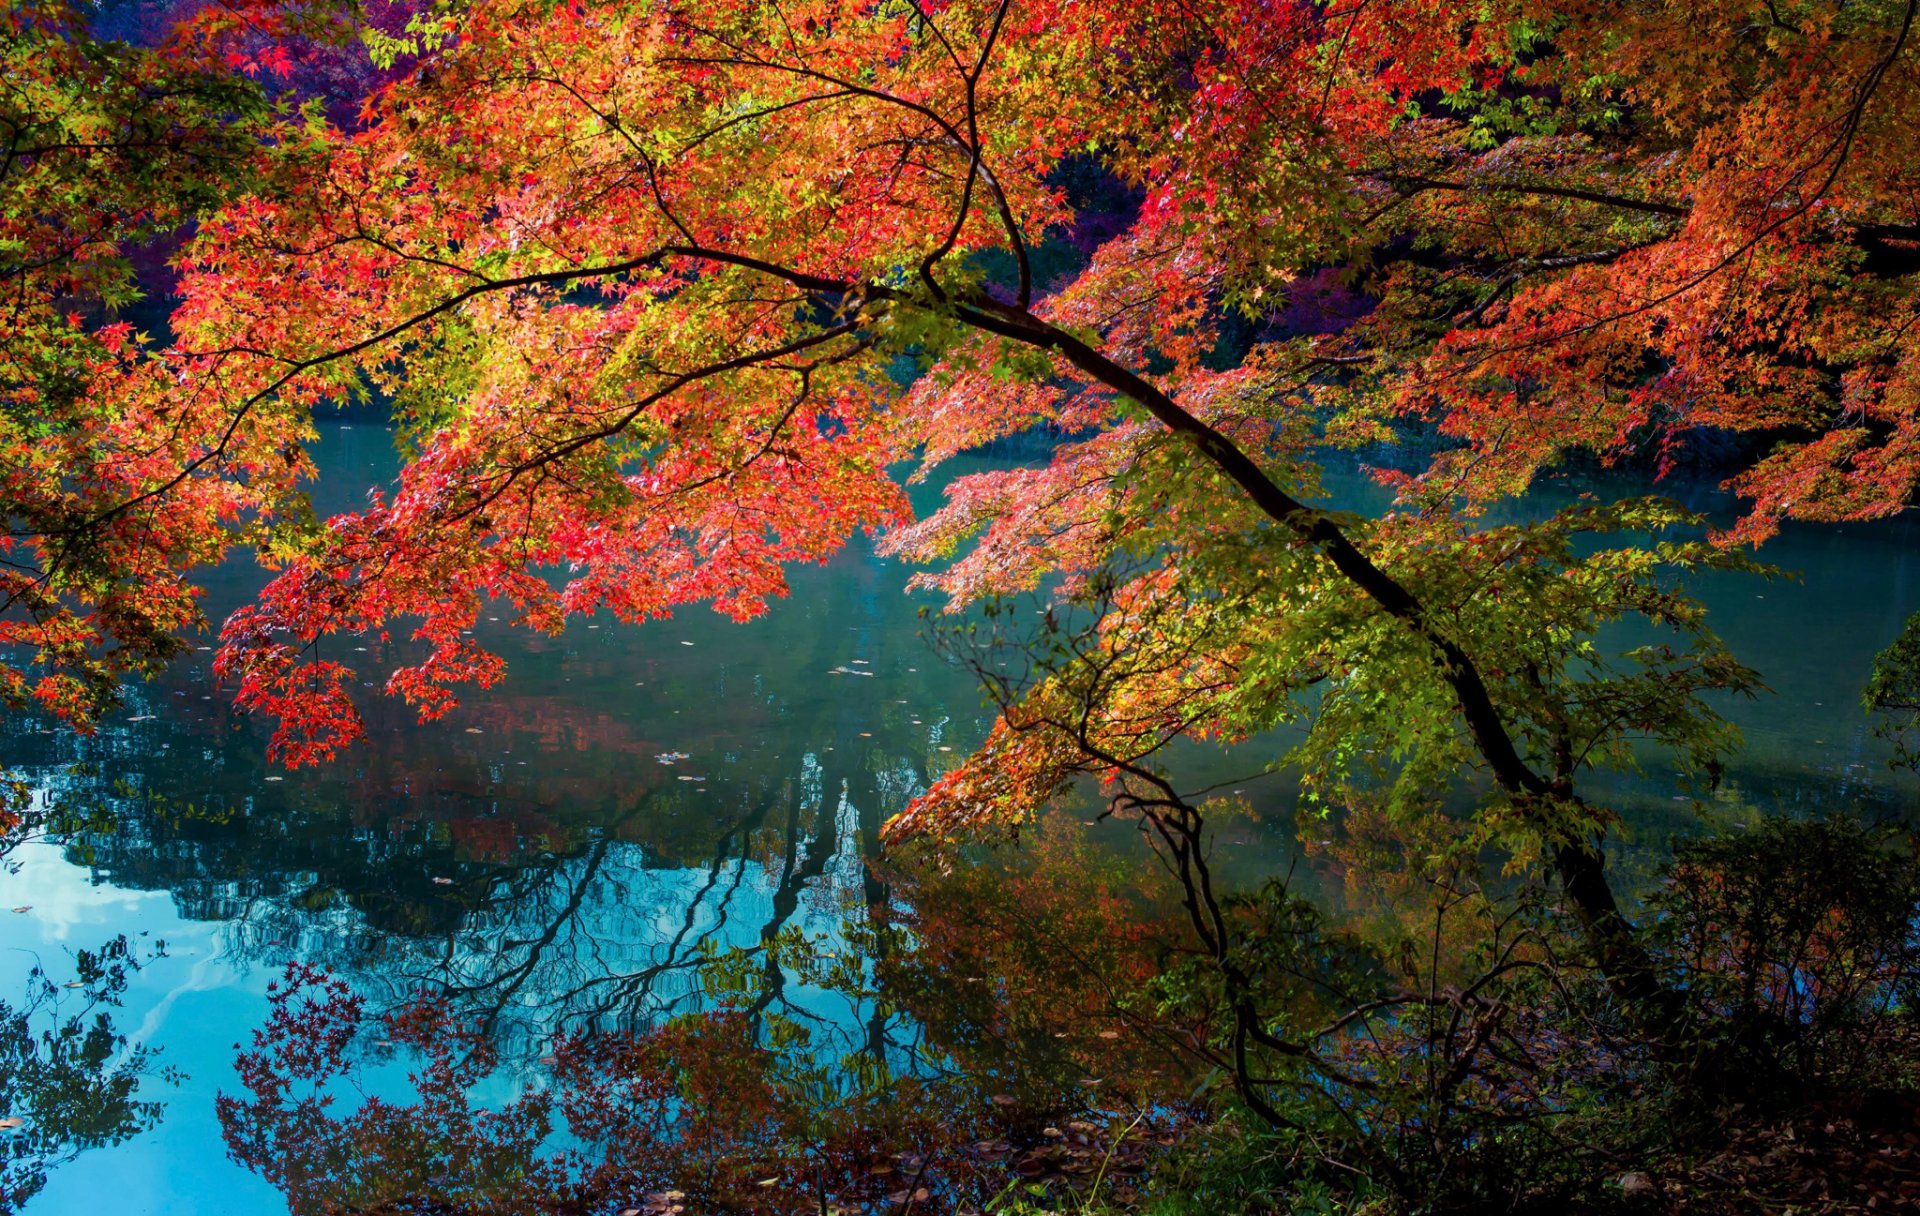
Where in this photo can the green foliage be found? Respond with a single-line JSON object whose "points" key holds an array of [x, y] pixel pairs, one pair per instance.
{"points": [[1893, 691], [1590, 649], [1530, 602], [426, 30]]}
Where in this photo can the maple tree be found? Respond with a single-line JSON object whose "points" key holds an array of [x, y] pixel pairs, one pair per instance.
{"points": [[105, 146], [110, 148], [659, 293]]}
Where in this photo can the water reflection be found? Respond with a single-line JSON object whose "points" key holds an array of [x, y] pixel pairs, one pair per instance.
{"points": [[995, 1001], [69, 1079], [557, 861], [567, 852]]}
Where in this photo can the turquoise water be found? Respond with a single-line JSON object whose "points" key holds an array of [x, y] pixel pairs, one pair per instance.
{"points": [[557, 850]]}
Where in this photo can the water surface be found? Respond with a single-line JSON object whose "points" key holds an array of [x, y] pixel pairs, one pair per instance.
{"points": [[558, 851]]}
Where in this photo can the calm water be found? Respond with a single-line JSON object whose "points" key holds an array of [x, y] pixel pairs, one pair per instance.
{"points": [[557, 851]]}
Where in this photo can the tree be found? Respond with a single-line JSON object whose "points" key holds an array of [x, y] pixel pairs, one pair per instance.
{"points": [[71, 1080], [105, 146], [644, 283]]}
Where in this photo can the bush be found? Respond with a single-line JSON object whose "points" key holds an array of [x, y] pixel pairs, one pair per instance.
{"points": [[1796, 948]]}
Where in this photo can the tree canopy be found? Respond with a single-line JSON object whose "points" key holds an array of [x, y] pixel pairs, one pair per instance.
{"points": [[662, 295]]}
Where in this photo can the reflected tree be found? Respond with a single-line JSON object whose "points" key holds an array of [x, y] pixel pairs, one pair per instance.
{"points": [[69, 1079], [985, 1041]]}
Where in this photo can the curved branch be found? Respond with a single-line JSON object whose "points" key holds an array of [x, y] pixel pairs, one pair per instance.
{"points": [[1580, 865]]}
